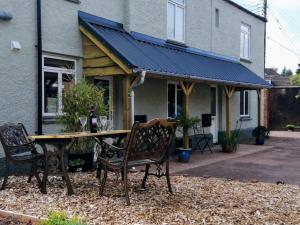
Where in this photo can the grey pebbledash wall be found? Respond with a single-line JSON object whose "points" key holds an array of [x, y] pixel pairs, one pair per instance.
{"points": [[18, 69]]}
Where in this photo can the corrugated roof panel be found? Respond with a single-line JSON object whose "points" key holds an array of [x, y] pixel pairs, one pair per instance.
{"points": [[155, 55]]}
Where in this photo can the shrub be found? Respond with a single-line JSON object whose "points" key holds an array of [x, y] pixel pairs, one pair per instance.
{"points": [[60, 218]]}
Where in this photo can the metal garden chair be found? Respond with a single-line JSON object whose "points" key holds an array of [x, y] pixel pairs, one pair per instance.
{"points": [[202, 139], [18, 150], [148, 144]]}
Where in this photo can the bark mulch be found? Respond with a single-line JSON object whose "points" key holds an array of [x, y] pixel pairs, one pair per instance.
{"points": [[195, 201]]}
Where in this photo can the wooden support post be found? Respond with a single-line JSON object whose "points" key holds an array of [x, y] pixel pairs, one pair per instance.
{"points": [[229, 91], [187, 89], [259, 93], [126, 110]]}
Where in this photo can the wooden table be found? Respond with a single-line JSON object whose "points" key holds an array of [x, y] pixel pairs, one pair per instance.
{"points": [[61, 141]]}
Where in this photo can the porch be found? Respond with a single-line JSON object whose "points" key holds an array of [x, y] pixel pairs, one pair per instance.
{"points": [[157, 78]]}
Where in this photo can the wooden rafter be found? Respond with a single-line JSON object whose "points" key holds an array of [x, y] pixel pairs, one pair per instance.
{"points": [[94, 49], [229, 91]]}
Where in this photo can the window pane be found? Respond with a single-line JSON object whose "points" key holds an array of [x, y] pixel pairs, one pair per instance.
{"points": [[246, 103], [241, 103], [171, 100], [246, 51], [171, 20], [179, 23], [59, 63], [105, 85], [179, 101], [68, 80], [213, 101], [242, 45], [50, 92]]}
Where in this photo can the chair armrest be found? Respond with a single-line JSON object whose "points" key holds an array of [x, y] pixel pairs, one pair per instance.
{"points": [[108, 151]]}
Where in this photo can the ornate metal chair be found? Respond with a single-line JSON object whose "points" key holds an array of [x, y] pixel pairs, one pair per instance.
{"points": [[148, 144], [19, 150]]}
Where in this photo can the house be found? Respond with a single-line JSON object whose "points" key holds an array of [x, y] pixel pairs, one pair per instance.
{"points": [[281, 105], [196, 56]]}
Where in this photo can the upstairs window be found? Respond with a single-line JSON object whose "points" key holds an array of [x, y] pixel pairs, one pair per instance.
{"points": [[176, 20], [245, 42], [244, 103]]}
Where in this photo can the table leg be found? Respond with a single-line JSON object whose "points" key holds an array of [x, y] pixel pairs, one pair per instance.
{"points": [[46, 170], [64, 170]]}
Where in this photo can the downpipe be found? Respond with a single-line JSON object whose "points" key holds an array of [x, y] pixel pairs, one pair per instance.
{"points": [[141, 80]]}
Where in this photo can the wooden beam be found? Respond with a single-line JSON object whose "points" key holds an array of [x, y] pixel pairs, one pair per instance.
{"points": [[104, 71], [229, 91], [125, 96], [104, 49], [259, 92], [90, 52], [98, 62], [187, 90]]}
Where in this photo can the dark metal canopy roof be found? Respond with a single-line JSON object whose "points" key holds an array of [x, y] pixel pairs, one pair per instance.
{"points": [[157, 56]]}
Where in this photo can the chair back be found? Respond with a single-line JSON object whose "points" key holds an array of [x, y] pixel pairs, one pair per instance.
{"points": [[14, 139], [206, 120], [150, 140]]}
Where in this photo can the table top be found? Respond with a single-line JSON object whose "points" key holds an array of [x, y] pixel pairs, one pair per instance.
{"points": [[74, 135]]}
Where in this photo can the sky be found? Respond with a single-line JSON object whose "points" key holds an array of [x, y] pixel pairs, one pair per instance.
{"points": [[283, 32]]}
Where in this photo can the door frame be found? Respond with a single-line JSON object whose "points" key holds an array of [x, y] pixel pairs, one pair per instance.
{"points": [[216, 117]]}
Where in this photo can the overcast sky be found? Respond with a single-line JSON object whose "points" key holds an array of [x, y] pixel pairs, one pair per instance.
{"points": [[283, 32]]}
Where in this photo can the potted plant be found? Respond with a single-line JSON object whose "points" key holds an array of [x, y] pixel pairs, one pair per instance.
{"points": [[291, 127], [185, 122], [77, 101], [229, 142], [260, 134]]}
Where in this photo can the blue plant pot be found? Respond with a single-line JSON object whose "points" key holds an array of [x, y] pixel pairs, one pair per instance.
{"points": [[184, 154]]}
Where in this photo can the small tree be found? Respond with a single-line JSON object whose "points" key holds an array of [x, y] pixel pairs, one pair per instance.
{"points": [[77, 102], [286, 72]]}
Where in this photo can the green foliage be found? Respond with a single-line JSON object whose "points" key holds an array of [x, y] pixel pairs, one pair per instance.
{"points": [[60, 218], [186, 121], [290, 126], [295, 79], [286, 72], [77, 102], [229, 143], [76, 162]]}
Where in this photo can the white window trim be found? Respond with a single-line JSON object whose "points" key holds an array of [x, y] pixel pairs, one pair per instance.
{"points": [[176, 84], [249, 41], [59, 72], [111, 98], [183, 6], [244, 109]]}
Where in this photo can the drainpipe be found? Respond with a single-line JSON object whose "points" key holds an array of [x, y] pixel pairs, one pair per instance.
{"points": [[141, 80], [39, 68]]}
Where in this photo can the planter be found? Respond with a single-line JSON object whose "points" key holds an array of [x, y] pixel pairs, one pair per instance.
{"points": [[229, 148], [259, 141], [87, 165], [184, 154]]}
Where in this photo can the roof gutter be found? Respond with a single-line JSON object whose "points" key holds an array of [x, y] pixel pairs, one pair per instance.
{"points": [[39, 68]]}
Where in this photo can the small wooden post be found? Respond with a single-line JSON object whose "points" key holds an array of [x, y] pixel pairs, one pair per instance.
{"points": [[187, 89], [229, 93], [126, 113], [259, 92]]}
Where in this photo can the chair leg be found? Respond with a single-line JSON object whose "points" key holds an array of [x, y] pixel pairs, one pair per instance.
{"points": [[35, 172], [103, 181], [6, 174], [145, 176], [168, 177], [31, 173], [126, 187]]}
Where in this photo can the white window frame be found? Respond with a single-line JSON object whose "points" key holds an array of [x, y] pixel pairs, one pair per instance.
{"points": [[176, 90], [60, 72], [182, 6], [243, 114], [111, 102], [245, 30]]}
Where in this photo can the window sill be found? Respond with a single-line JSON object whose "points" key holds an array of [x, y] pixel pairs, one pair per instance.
{"points": [[177, 43], [245, 118], [245, 60], [50, 120]]}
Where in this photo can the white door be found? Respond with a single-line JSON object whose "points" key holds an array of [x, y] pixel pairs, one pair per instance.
{"points": [[214, 113]]}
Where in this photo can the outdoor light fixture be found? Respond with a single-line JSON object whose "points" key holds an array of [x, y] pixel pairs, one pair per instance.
{"points": [[15, 46], [5, 15]]}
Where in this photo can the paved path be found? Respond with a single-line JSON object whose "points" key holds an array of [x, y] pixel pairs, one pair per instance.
{"points": [[279, 161]]}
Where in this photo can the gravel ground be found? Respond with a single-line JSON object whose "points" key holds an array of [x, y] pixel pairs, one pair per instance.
{"points": [[195, 201], [10, 221]]}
